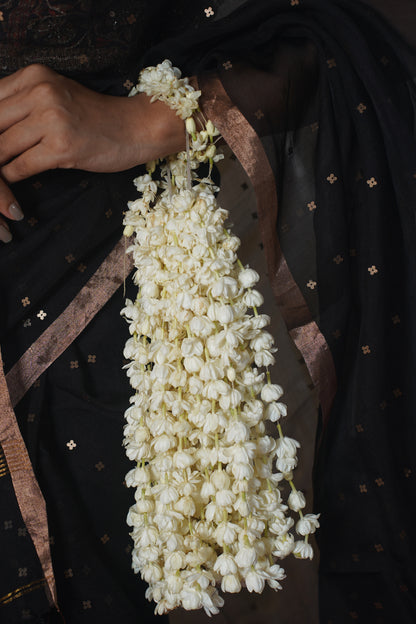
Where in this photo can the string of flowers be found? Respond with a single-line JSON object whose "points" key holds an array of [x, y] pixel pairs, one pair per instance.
{"points": [[208, 509]]}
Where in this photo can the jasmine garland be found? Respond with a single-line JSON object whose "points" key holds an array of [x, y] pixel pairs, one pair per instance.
{"points": [[209, 511]]}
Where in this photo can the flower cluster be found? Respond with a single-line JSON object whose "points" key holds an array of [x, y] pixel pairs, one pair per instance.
{"points": [[209, 510], [164, 83]]}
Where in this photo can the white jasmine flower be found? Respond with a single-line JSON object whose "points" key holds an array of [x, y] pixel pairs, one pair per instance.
{"points": [[225, 564], [254, 581], [274, 411], [271, 392], [296, 500], [226, 533], [225, 287], [286, 465], [230, 583], [308, 524], [303, 550], [246, 557], [248, 277], [196, 425], [287, 447]]}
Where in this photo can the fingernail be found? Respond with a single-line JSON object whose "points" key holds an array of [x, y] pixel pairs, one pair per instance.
{"points": [[16, 212], [5, 234]]}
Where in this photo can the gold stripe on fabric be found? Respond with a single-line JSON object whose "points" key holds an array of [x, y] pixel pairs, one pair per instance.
{"points": [[44, 351], [247, 146], [28, 495], [20, 591], [73, 320]]}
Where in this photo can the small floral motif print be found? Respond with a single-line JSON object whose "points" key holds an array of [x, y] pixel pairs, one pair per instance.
{"points": [[71, 445], [396, 319], [70, 258], [92, 359], [37, 185], [363, 488], [407, 472], [8, 524], [22, 532], [74, 364], [31, 417], [359, 428], [27, 323], [81, 267], [338, 259], [68, 573], [209, 12], [131, 19], [227, 65], [331, 63], [397, 393], [312, 206], [315, 126], [32, 221], [378, 547], [294, 2], [83, 59], [105, 539], [1, 16], [379, 482], [41, 315], [108, 213], [311, 284], [365, 349], [361, 108], [100, 466], [373, 270], [25, 301], [128, 84], [259, 114], [332, 178], [22, 571], [372, 182], [383, 405], [86, 604]]}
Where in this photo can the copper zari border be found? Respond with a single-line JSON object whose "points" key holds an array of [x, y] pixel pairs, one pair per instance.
{"points": [[44, 351], [68, 326], [21, 591], [247, 146]]}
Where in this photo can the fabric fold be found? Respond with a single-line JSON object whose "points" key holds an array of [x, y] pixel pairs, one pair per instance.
{"points": [[247, 146]]}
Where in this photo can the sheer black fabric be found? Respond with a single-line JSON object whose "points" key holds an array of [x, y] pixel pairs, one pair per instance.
{"points": [[329, 87], [346, 182]]}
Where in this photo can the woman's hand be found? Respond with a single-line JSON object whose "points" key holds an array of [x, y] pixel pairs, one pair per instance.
{"points": [[48, 121]]}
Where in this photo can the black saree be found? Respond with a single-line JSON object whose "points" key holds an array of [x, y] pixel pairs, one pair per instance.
{"points": [[317, 99]]}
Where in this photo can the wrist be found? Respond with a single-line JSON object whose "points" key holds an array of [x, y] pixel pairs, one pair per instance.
{"points": [[156, 130]]}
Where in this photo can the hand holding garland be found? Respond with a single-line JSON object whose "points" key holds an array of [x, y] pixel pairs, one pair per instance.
{"points": [[48, 121], [209, 510]]}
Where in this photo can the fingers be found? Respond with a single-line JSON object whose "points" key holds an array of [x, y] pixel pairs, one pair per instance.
{"points": [[33, 161], [24, 78], [19, 138], [5, 234], [10, 209]]}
